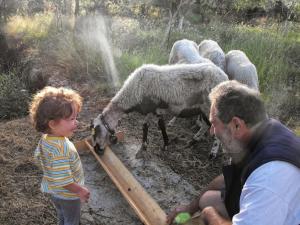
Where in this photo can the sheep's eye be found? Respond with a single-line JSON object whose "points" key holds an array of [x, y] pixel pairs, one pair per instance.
{"points": [[97, 130]]}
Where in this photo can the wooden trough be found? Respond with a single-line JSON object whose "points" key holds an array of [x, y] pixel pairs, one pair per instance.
{"points": [[142, 203]]}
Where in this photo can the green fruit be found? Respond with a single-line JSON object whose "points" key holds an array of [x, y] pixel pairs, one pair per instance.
{"points": [[182, 217]]}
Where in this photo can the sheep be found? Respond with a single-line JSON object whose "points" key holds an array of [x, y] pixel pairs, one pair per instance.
{"points": [[240, 68], [181, 90], [211, 50], [185, 51]]}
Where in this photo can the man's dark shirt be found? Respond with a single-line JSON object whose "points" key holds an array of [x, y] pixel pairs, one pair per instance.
{"points": [[271, 141]]}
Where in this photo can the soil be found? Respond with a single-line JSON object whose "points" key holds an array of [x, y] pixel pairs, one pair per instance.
{"points": [[172, 177]]}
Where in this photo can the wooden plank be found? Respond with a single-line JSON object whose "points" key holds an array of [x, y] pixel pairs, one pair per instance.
{"points": [[142, 203], [81, 146], [195, 220]]}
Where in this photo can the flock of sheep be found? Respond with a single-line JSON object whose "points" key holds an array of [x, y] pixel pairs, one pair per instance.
{"points": [[180, 89]]}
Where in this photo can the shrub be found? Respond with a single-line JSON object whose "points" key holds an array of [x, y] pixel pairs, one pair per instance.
{"points": [[29, 29], [13, 96]]}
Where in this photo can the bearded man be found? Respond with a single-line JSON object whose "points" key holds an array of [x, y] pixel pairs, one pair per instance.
{"points": [[261, 184]]}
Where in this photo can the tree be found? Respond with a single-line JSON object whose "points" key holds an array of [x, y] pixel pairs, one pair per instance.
{"points": [[76, 8], [7, 8], [177, 10], [35, 6]]}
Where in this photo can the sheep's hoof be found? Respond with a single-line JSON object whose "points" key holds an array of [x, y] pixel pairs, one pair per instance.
{"points": [[191, 142], [144, 146], [212, 156], [140, 153], [215, 149], [197, 138], [164, 148], [171, 123], [199, 123]]}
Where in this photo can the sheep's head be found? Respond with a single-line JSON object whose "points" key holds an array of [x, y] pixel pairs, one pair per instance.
{"points": [[102, 134]]}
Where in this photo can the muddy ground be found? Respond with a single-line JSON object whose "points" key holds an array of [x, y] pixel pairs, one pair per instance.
{"points": [[172, 177]]}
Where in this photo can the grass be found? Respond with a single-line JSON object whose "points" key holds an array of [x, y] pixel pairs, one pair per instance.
{"points": [[129, 61], [29, 29], [266, 48], [297, 131]]}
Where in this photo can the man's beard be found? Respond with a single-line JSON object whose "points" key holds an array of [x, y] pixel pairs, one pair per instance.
{"points": [[234, 148]]}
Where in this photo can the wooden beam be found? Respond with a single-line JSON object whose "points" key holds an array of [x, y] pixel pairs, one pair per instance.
{"points": [[195, 220], [142, 203]]}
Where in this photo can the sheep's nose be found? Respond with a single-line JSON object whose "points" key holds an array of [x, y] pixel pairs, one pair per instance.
{"points": [[98, 149], [91, 124]]}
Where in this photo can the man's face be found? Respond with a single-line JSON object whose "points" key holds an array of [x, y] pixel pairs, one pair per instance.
{"points": [[224, 133]]}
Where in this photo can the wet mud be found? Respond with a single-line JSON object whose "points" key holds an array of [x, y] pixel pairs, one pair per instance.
{"points": [[172, 177]]}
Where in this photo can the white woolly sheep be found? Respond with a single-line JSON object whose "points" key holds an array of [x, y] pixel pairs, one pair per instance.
{"points": [[185, 51], [181, 90], [240, 68], [211, 50]]}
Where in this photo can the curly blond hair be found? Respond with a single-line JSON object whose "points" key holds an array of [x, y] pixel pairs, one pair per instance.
{"points": [[53, 104]]}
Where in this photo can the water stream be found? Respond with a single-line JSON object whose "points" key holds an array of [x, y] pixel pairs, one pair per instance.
{"points": [[92, 32]]}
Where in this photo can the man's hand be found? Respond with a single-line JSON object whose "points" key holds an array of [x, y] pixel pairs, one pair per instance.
{"points": [[211, 217], [171, 216]]}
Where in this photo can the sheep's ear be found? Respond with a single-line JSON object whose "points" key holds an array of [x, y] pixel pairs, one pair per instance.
{"points": [[93, 132]]}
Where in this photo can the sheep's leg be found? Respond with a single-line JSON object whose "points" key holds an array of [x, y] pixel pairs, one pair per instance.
{"points": [[199, 121], [143, 148], [215, 149], [201, 132], [205, 125], [145, 135], [162, 126]]}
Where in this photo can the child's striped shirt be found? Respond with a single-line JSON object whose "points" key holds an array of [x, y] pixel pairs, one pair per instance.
{"points": [[61, 165]]}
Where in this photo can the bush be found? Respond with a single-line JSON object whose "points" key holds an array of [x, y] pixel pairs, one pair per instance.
{"points": [[29, 29], [13, 96], [129, 61]]}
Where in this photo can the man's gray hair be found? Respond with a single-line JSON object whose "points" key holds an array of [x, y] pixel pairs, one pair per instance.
{"points": [[232, 98]]}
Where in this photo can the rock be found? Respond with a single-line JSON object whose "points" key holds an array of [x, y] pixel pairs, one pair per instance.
{"points": [[87, 218]]}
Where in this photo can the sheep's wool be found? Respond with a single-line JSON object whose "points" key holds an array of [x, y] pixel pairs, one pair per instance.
{"points": [[180, 86]]}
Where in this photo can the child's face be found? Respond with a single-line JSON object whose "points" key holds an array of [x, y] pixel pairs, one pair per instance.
{"points": [[65, 127]]}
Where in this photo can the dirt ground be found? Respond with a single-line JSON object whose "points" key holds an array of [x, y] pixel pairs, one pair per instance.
{"points": [[172, 177]]}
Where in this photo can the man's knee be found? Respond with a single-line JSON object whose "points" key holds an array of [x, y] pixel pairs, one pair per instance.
{"points": [[214, 199], [210, 198]]}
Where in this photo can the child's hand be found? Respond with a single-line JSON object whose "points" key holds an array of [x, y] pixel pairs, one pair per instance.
{"points": [[84, 194], [81, 191]]}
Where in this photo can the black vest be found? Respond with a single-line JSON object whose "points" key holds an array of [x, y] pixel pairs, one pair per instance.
{"points": [[271, 141]]}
